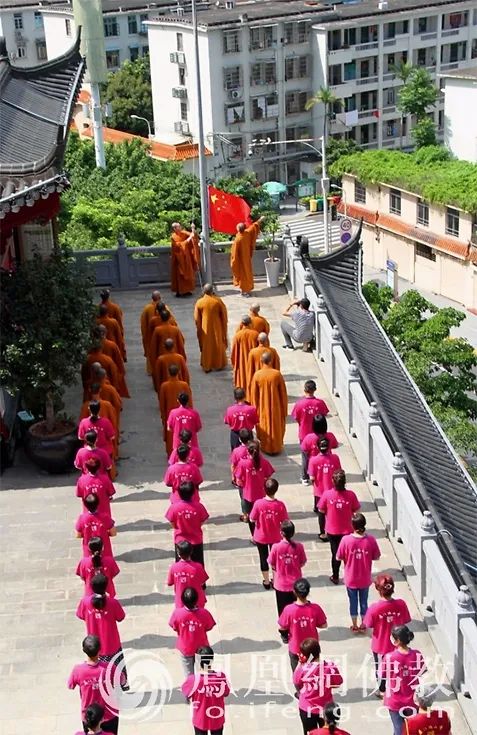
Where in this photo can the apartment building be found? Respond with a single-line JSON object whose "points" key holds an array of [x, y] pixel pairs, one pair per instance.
{"points": [[261, 61], [21, 24], [460, 130]]}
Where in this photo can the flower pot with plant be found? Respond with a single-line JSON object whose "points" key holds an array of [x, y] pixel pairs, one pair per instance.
{"points": [[46, 320], [271, 262]]}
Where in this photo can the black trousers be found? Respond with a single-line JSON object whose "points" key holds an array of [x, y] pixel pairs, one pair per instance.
{"points": [[321, 516], [247, 506], [198, 731], [377, 662], [263, 552], [283, 599], [234, 439], [107, 726], [310, 721], [197, 553], [335, 539]]}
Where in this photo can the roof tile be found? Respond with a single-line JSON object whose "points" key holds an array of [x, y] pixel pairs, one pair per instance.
{"points": [[166, 151]]}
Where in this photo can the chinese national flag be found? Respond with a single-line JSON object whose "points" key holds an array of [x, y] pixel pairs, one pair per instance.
{"points": [[226, 211]]}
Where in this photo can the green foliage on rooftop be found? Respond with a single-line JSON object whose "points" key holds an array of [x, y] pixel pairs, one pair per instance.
{"points": [[430, 172]]}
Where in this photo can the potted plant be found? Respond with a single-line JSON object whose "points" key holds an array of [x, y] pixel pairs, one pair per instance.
{"points": [[46, 319], [272, 263]]}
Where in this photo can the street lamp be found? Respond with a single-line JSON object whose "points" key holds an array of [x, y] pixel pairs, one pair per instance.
{"points": [[138, 117], [340, 188]]}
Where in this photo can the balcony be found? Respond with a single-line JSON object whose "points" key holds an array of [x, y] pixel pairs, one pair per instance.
{"points": [[366, 46], [428, 36], [363, 114], [388, 109], [449, 65], [389, 76], [366, 80]]}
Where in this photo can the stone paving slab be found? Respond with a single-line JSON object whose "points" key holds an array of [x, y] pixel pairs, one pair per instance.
{"points": [[42, 637]]}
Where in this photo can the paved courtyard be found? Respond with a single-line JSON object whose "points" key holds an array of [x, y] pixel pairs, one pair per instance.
{"points": [[42, 637]]}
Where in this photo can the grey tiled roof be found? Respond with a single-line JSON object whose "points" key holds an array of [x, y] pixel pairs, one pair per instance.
{"points": [[437, 479]]}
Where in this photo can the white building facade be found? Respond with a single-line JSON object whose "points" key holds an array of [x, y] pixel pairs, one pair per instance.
{"points": [[460, 130], [22, 26]]}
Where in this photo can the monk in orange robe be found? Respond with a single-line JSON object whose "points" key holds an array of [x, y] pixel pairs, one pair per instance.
{"points": [[168, 395], [146, 315], [165, 331], [96, 355], [110, 349], [113, 330], [258, 322], [254, 362], [107, 391], [185, 260], [159, 319], [245, 339], [241, 256], [210, 316], [114, 311], [106, 410], [160, 372], [268, 394]]}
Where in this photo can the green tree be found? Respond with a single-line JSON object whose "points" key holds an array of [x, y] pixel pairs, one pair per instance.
{"points": [[378, 297], [417, 94], [424, 133], [328, 99], [248, 187], [129, 92]]}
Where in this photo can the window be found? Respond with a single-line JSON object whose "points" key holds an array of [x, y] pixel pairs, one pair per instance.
{"points": [[389, 96], [452, 221], [132, 24], [38, 18], [335, 74], [424, 251], [263, 73], [145, 50], [349, 37], [422, 25], [297, 32], [235, 113], [41, 50], [18, 21], [262, 37], [68, 26], [179, 42], [421, 57], [295, 102], [232, 77], [182, 75], [184, 111], [21, 52], [359, 193], [143, 18], [395, 201], [423, 213], [231, 40], [265, 106], [111, 27], [296, 67], [133, 53], [112, 59]]}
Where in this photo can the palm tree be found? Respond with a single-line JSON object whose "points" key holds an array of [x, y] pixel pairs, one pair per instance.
{"points": [[327, 98], [402, 71]]}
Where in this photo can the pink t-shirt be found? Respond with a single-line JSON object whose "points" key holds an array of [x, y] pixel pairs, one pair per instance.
{"points": [[191, 627], [185, 573], [315, 682], [103, 623], [99, 485], [301, 621], [195, 457], [95, 524], [287, 560], [310, 442], [382, 616], [86, 453], [236, 456], [252, 480], [267, 515], [89, 677], [103, 428], [402, 672], [304, 411], [241, 416], [184, 418], [207, 692], [181, 472], [321, 468], [187, 519], [325, 731], [358, 554], [339, 506], [86, 570]]}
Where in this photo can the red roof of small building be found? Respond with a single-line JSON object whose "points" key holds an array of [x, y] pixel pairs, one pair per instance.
{"points": [[165, 151]]}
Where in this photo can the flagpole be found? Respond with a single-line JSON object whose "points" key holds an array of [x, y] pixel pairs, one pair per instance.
{"points": [[204, 198]]}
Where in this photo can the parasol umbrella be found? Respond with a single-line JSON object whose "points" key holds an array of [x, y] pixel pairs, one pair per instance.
{"points": [[275, 188]]}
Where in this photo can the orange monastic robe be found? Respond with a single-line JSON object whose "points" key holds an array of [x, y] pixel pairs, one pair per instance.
{"points": [[159, 336], [260, 324], [210, 315], [244, 341], [184, 262], [241, 257], [268, 394], [115, 312], [160, 372], [168, 394], [110, 349], [113, 331], [107, 411], [254, 363], [106, 362], [147, 314]]}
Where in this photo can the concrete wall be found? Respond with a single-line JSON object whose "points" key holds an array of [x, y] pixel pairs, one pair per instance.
{"points": [[452, 622], [460, 131], [27, 37]]}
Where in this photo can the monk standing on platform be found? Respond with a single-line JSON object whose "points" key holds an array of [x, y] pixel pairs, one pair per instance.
{"points": [[147, 313], [113, 330], [185, 259], [110, 349], [241, 256], [269, 396], [258, 322], [165, 331], [169, 394], [160, 372], [254, 361], [245, 340], [114, 311], [210, 316]]}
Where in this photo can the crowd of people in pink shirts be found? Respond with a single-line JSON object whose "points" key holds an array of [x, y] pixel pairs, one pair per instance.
{"points": [[282, 559]]}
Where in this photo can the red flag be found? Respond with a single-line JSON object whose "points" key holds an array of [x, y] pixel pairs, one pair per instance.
{"points": [[376, 113], [226, 211]]}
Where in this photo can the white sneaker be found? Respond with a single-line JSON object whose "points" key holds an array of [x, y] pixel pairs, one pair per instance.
{"points": [[304, 482]]}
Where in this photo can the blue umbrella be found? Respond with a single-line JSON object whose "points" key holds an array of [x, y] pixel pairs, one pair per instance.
{"points": [[275, 188]]}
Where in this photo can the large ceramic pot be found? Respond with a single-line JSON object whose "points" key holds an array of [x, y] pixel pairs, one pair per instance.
{"points": [[54, 452], [272, 269]]}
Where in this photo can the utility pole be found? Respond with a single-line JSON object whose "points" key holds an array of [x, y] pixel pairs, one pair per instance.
{"points": [[325, 187], [204, 196]]}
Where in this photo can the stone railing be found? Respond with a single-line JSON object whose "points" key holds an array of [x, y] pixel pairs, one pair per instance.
{"points": [[447, 608]]}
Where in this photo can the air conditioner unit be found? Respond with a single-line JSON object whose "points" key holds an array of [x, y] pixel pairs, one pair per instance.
{"points": [[174, 58], [235, 94], [179, 92], [181, 58]]}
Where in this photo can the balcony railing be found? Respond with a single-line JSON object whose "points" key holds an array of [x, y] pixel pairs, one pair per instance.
{"points": [[451, 32], [428, 36], [366, 46], [367, 80]]}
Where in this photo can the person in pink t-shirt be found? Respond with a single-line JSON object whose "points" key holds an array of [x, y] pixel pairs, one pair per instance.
{"points": [[91, 450], [99, 424], [382, 616], [267, 515], [287, 559], [206, 691], [195, 455], [91, 676], [96, 484], [93, 523], [240, 416], [357, 551], [187, 573], [306, 408], [401, 670], [321, 468], [187, 517], [241, 452], [314, 680], [183, 471], [331, 717], [251, 475], [97, 563], [191, 624], [300, 620], [184, 418], [94, 715], [309, 445], [338, 505]]}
